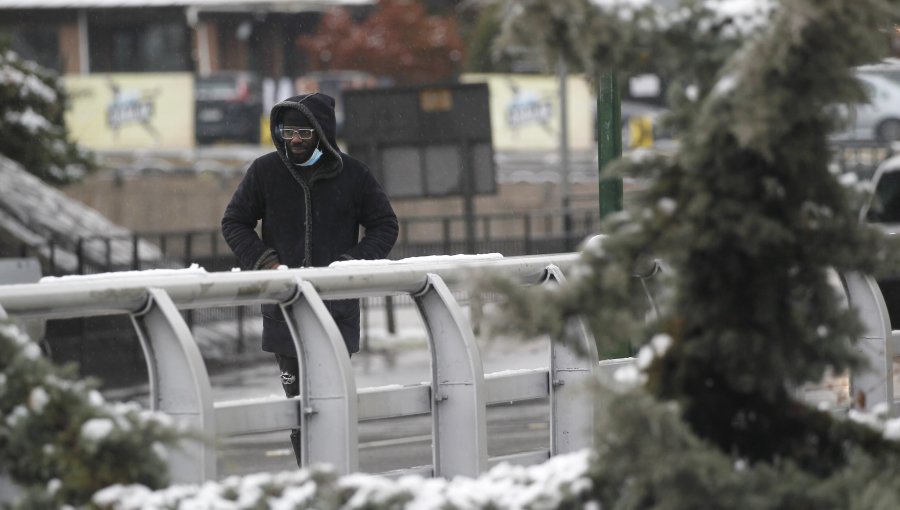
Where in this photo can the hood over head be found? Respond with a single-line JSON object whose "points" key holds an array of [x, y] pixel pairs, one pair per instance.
{"points": [[318, 108]]}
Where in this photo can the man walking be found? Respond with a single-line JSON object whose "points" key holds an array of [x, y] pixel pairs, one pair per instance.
{"points": [[312, 200]]}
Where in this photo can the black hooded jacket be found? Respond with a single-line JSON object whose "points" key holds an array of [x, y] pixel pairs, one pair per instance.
{"points": [[309, 218]]}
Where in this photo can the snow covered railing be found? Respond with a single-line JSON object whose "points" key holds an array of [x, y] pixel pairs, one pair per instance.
{"points": [[330, 407]]}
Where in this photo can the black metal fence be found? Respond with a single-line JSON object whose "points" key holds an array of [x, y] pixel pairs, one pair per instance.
{"points": [[527, 233], [860, 157]]}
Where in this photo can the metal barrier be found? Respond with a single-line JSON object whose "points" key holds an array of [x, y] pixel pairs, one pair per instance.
{"points": [[877, 344], [330, 408]]}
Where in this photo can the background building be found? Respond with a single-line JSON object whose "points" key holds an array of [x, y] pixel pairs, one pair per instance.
{"points": [[200, 36]]}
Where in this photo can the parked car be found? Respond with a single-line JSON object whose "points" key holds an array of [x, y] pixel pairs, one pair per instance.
{"points": [[228, 108], [882, 209], [889, 68], [877, 120], [883, 205]]}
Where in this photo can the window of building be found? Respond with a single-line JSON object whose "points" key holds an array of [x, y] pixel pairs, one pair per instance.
{"points": [[36, 43], [147, 47]]}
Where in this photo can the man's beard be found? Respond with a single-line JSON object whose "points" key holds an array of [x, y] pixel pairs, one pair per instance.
{"points": [[299, 158]]}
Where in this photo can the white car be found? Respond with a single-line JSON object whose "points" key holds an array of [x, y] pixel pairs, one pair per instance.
{"points": [[883, 210], [883, 205], [879, 119]]}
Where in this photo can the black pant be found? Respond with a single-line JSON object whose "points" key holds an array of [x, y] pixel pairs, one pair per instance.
{"points": [[290, 381]]}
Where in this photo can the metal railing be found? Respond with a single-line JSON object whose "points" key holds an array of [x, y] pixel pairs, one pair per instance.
{"points": [[532, 232], [330, 408], [876, 345]]}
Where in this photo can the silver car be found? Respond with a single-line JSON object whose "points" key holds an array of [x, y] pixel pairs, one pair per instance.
{"points": [[877, 120]]}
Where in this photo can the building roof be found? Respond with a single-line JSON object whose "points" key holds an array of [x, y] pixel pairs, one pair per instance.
{"points": [[204, 5]]}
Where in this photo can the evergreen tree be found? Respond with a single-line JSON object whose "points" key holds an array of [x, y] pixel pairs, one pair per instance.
{"points": [[481, 56], [60, 441], [745, 213], [32, 129]]}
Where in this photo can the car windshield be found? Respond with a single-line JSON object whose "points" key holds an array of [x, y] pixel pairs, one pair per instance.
{"points": [[886, 206]]}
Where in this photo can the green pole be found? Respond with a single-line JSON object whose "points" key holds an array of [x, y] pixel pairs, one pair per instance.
{"points": [[609, 140], [609, 148]]}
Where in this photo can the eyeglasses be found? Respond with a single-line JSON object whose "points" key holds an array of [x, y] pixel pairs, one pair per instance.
{"points": [[303, 133]]}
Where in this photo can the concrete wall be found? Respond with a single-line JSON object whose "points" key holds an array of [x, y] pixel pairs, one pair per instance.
{"points": [[172, 201]]}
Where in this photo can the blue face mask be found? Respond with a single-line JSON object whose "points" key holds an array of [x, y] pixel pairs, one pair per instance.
{"points": [[313, 157]]}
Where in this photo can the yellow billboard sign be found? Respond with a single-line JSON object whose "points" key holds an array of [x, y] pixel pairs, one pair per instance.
{"points": [[131, 110], [525, 111]]}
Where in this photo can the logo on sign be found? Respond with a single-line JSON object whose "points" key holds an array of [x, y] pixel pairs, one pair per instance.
{"points": [[131, 107], [528, 107]]}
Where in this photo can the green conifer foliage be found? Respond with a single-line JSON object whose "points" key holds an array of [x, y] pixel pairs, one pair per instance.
{"points": [[32, 129], [60, 441], [745, 213]]}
